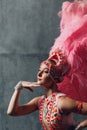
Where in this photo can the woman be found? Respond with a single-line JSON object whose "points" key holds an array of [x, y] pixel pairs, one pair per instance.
{"points": [[55, 108], [67, 67]]}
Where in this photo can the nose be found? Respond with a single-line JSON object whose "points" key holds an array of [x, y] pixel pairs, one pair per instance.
{"points": [[39, 74]]}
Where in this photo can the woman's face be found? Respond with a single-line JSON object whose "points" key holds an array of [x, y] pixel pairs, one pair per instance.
{"points": [[43, 76]]}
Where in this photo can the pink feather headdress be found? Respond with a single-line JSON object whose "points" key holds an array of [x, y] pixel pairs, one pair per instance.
{"points": [[59, 68], [72, 41]]}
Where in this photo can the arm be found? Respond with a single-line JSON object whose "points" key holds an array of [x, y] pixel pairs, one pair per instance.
{"points": [[14, 109], [68, 105], [81, 125]]}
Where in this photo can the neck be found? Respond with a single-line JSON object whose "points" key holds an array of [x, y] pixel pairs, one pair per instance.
{"points": [[51, 90]]}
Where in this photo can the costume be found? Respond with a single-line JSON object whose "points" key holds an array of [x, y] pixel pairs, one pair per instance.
{"points": [[69, 57], [72, 41], [50, 115]]}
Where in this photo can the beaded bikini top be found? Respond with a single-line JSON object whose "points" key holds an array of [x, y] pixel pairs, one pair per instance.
{"points": [[50, 115]]}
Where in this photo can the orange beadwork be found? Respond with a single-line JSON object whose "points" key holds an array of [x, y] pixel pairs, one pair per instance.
{"points": [[58, 57], [79, 107], [48, 111], [59, 67]]}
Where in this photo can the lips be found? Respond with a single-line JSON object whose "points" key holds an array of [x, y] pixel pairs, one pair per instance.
{"points": [[39, 78]]}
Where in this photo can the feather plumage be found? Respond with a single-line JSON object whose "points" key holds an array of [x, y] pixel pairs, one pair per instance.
{"points": [[73, 43]]}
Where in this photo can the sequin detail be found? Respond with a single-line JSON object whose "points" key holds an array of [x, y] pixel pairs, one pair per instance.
{"points": [[48, 113]]}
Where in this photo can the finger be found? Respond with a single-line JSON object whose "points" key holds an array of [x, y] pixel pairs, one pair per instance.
{"points": [[30, 84], [36, 85], [78, 127]]}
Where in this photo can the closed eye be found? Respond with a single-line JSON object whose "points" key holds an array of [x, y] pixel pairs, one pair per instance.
{"points": [[46, 70]]}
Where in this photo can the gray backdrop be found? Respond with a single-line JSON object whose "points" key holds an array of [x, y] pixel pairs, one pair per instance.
{"points": [[28, 29]]}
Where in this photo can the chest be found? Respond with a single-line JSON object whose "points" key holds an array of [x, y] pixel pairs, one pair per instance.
{"points": [[49, 112]]}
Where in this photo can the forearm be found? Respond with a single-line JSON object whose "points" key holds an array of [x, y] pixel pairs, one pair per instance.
{"points": [[13, 103], [14, 109], [81, 125]]}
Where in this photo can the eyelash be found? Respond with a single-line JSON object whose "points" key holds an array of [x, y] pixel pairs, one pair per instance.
{"points": [[46, 71]]}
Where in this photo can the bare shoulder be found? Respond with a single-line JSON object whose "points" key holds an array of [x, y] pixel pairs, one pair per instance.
{"points": [[66, 104], [66, 100]]}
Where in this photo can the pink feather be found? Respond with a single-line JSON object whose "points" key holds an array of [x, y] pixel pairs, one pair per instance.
{"points": [[73, 43]]}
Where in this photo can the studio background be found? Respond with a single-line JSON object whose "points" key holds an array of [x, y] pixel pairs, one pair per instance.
{"points": [[28, 29]]}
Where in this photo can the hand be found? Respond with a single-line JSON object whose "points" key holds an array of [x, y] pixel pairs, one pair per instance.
{"points": [[29, 85], [78, 127]]}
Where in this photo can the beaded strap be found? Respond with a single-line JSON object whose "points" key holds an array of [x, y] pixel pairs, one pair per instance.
{"points": [[79, 107]]}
